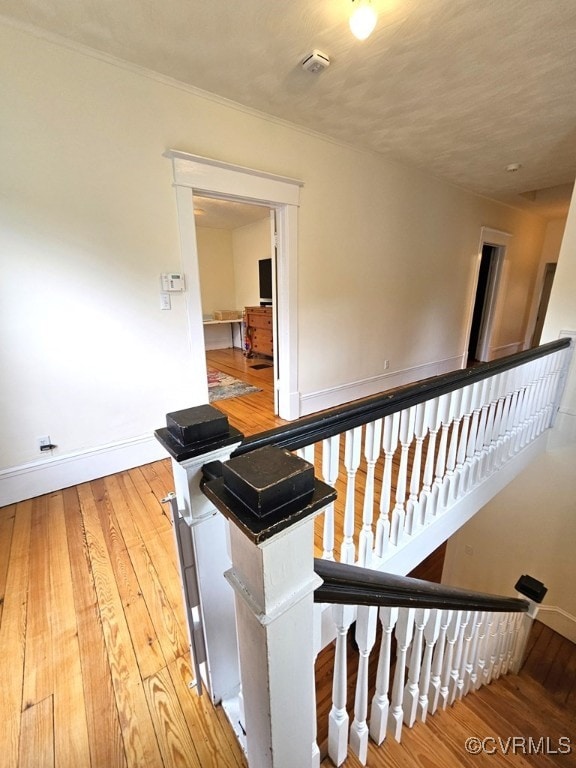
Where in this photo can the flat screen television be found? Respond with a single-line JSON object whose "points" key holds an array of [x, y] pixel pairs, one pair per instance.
{"points": [[265, 280]]}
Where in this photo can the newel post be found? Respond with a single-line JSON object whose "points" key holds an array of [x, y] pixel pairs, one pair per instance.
{"points": [[270, 497], [194, 437], [535, 591]]}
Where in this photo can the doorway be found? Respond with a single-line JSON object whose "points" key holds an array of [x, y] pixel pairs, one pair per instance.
{"points": [[485, 304], [235, 243], [195, 175]]}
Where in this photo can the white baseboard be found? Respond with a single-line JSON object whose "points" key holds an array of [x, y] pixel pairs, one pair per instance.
{"points": [[507, 349], [354, 390], [559, 620], [51, 474]]}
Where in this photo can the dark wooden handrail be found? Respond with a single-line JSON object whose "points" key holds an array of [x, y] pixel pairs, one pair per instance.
{"points": [[351, 585], [312, 429]]}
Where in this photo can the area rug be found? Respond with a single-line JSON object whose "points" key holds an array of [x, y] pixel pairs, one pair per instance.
{"points": [[222, 386]]}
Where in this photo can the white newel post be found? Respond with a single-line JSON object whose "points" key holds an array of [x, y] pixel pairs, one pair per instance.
{"points": [[195, 437], [271, 498]]}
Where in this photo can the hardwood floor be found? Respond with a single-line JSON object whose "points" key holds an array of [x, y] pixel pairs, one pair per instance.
{"points": [[94, 666]]}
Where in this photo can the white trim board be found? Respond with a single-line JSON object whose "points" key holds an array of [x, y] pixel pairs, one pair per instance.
{"points": [[559, 620], [54, 473], [345, 393]]}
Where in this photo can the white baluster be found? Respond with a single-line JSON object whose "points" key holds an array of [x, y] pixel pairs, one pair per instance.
{"points": [[433, 422], [451, 637], [476, 405], [483, 641], [466, 660], [381, 702], [330, 469], [413, 519], [372, 439], [456, 403], [338, 719], [445, 414], [365, 637], [491, 647], [438, 663], [480, 435], [472, 659], [431, 635], [454, 682], [389, 444], [404, 630], [412, 689], [457, 485], [352, 453], [397, 530]]}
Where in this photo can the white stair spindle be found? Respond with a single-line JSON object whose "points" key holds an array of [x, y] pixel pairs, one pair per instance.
{"points": [[372, 441], [366, 620], [338, 720], [389, 444], [483, 635], [397, 530], [476, 405], [380, 702], [433, 421], [451, 637], [431, 634], [412, 689], [466, 659], [352, 453], [470, 671], [444, 411], [457, 485], [330, 469], [413, 519], [448, 490], [438, 663], [404, 630], [454, 682]]}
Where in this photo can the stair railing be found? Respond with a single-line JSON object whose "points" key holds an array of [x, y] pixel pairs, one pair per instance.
{"points": [[457, 440]]}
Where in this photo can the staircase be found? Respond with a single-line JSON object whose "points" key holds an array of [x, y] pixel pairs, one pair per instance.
{"points": [[527, 719], [401, 472]]}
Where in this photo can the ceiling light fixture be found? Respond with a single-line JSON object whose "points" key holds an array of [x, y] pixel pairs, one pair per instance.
{"points": [[363, 19]]}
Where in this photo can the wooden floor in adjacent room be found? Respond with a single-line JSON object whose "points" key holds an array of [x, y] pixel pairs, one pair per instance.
{"points": [[94, 665]]}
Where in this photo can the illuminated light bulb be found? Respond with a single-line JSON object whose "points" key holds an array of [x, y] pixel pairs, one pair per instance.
{"points": [[363, 19]]}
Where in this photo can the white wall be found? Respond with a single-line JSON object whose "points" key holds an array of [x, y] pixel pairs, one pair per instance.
{"points": [[250, 243], [531, 526], [387, 255], [216, 266]]}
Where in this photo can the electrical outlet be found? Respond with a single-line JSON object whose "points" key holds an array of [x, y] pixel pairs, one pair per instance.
{"points": [[468, 549], [386, 364], [45, 444]]}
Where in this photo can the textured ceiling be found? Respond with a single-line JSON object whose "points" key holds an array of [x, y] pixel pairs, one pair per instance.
{"points": [[458, 88]]}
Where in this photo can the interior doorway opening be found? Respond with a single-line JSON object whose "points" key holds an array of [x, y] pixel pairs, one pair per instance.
{"points": [[235, 242], [485, 302]]}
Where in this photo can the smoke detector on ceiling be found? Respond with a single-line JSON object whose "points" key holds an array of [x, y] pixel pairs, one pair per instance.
{"points": [[316, 61]]}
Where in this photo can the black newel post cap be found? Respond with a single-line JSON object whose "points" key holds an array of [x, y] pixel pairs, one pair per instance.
{"points": [[193, 431], [267, 490], [268, 478], [531, 588]]}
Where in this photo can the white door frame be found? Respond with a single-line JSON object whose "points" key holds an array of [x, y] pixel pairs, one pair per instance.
{"points": [[201, 175], [492, 308]]}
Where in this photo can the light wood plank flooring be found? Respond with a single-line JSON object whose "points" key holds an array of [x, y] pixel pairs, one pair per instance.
{"points": [[94, 667]]}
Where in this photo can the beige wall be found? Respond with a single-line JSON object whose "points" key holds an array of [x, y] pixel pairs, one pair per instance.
{"points": [[531, 526], [250, 243], [216, 266], [386, 261]]}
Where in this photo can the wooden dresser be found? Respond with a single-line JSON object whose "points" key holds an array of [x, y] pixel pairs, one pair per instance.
{"points": [[259, 338]]}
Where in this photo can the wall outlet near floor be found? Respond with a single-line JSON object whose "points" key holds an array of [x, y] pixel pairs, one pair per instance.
{"points": [[45, 444], [386, 364], [468, 549]]}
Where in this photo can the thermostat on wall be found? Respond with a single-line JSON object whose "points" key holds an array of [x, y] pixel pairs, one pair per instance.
{"points": [[172, 281]]}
